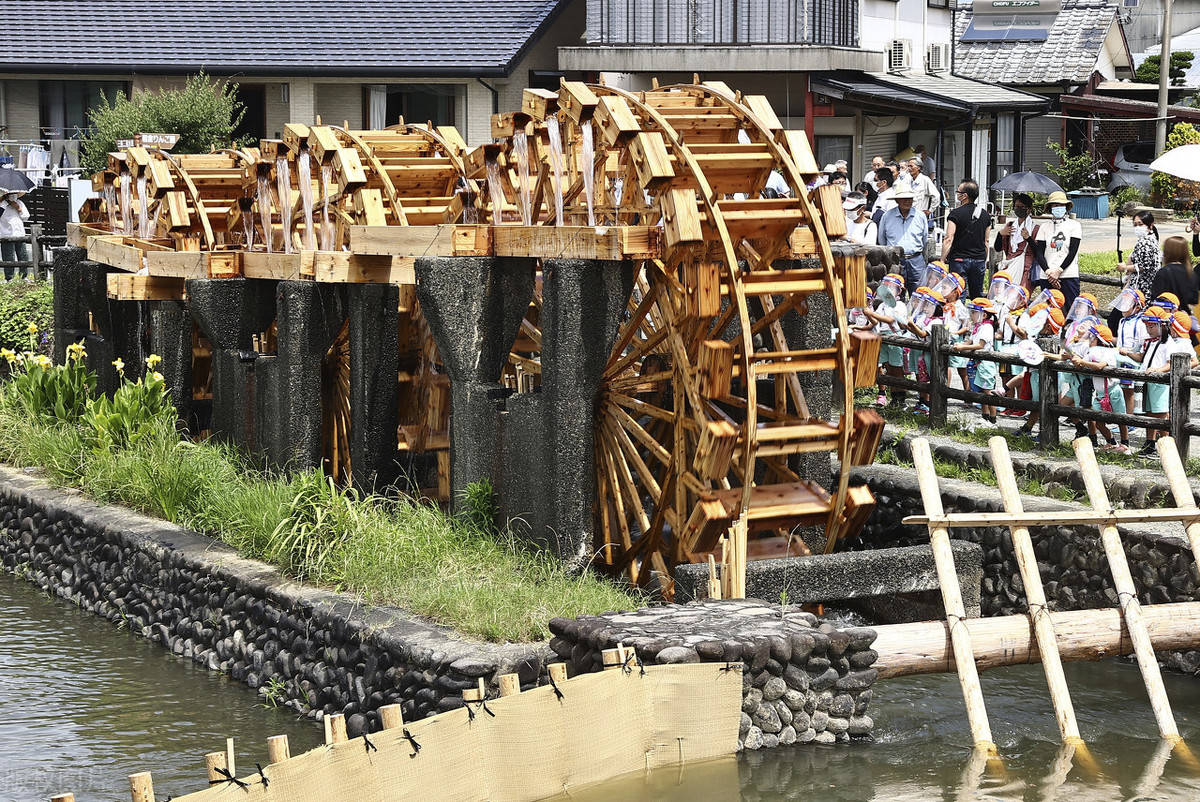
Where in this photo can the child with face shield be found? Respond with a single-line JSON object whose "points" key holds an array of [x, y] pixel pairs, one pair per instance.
{"points": [[924, 310], [1131, 338], [890, 316], [982, 338], [1010, 304], [1177, 327], [957, 321], [1052, 328], [1106, 393]]}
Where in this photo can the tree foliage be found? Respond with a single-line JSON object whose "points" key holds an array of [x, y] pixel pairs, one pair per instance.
{"points": [[1165, 188], [204, 113], [1181, 61], [1072, 171]]}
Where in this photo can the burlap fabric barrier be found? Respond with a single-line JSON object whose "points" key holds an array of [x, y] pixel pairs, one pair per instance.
{"points": [[536, 745]]}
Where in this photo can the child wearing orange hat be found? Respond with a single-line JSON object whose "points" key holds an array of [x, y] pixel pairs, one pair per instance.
{"points": [[983, 337], [1156, 360], [1054, 324], [1106, 393]]}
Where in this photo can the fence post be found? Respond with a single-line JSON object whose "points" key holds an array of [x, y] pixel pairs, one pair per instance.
{"points": [[1180, 404], [1048, 424], [35, 256], [938, 341]]}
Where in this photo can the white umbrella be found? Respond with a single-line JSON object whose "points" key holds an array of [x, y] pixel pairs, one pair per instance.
{"points": [[1182, 162]]}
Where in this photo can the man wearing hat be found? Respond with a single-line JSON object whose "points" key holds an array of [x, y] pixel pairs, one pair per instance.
{"points": [[860, 229], [1060, 237], [13, 215], [906, 228]]}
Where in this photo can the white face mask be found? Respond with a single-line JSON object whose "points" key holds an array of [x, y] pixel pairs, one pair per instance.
{"points": [[1058, 212]]}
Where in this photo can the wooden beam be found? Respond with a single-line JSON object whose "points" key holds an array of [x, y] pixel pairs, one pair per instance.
{"points": [[78, 234], [1054, 518], [281, 266], [112, 251], [348, 268], [578, 242], [127, 287], [924, 647], [415, 241]]}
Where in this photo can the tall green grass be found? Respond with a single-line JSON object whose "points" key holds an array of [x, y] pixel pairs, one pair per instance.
{"points": [[400, 552]]}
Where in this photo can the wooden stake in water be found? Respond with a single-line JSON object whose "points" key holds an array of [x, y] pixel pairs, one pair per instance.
{"points": [[213, 763], [1131, 609], [956, 614], [278, 749], [63, 798], [230, 764], [1181, 488], [1031, 578], [141, 787]]}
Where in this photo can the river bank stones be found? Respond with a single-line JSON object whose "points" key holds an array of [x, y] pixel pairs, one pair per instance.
{"points": [[796, 669]]}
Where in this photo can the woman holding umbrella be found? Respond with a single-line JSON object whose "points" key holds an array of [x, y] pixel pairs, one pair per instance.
{"points": [[13, 215]]}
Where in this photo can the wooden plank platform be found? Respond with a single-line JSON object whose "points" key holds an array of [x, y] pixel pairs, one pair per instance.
{"points": [[78, 234], [111, 250]]}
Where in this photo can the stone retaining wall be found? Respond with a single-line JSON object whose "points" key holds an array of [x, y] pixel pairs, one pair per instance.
{"points": [[198, 598], [804, 680], [1071, 560]]}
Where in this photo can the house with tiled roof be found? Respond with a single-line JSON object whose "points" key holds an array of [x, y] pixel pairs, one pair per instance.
{"points": [[367, 62], [1062, 50]]}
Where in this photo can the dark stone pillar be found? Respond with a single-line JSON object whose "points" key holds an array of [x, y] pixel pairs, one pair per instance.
{"points": [[474, 307], [171, 339], [309, 316], [229, 313], [70, 314], [374, 363], [582, 304]]}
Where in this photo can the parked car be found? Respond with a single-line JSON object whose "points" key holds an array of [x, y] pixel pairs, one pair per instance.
{"points": [[1131, 166]]}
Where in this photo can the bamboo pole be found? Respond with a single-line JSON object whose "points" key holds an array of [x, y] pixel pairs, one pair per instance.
{"points": [[141, 787], [1035, 595], [214, 761], [924, 647], [1131, 609], [278, 749], [391, 717], [1181, 488], [230, 765], [956, 614]]}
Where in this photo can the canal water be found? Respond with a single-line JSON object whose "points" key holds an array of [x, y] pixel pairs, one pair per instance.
{"points": [[83, 705]]}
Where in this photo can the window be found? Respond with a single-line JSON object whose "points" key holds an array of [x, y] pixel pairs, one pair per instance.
{"points": [[939, 3], [65, 104], [832, 148], [416, 103]]}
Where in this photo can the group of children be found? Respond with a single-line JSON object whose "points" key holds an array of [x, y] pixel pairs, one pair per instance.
{"points": [[1031, 327]]}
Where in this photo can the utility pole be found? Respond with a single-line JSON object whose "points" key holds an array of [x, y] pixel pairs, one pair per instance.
{"points": [[1164, 81]]}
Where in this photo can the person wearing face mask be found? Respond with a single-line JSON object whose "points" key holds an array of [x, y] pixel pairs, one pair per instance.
{"points": [[860, 229], [924, 190], [1022, 254], [1060, 237], [1144, 261], [883, 200], [967, 234]]}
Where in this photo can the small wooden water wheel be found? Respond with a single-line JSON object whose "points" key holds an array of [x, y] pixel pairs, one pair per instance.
{"points": [[701, 412]]}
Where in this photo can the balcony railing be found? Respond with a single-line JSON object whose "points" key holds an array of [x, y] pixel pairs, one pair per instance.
{"points": [[723, 22]]}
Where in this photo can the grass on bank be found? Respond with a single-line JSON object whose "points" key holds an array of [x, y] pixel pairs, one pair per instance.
{"points": [[397, 552]]}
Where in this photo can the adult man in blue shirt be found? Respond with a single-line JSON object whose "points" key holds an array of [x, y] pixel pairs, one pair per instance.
{"points": [[907, 229]]}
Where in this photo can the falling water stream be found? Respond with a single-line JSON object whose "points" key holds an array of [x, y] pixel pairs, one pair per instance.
{"points": [[248, 226], [589, 170], [525, 195], [556, 164], [304, 177], [110, 204], [495, 191], [126, 205], [470, 214], [326, 226], [264, 212], [143, 209], [283, 186]]}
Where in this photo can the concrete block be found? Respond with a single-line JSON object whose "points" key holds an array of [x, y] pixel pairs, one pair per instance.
{"points": [[847, 575]]}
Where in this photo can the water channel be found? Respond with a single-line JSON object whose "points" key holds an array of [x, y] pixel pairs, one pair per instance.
{"points": [[82, 705]]}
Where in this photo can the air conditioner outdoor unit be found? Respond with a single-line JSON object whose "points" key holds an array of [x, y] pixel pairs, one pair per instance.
{"points": [[899, 55], [937, 58]]}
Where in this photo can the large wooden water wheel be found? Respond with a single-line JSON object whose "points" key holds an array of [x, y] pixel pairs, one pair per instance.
{"points": [[701, 412]]}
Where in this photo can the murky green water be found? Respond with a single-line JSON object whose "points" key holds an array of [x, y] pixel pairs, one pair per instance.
{"points": [[82, 706]]}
